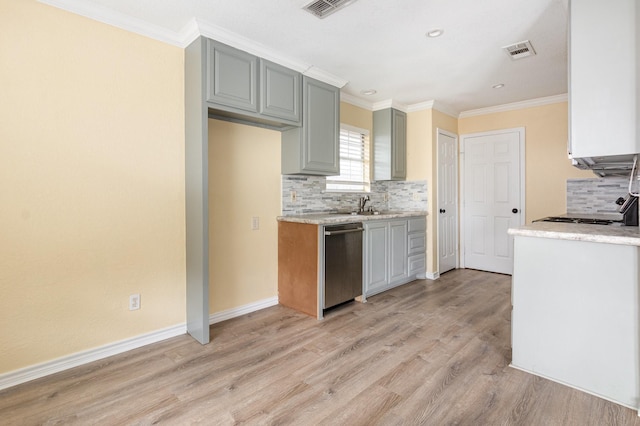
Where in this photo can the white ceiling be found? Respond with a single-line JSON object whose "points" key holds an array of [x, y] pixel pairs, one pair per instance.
{"points": [[376, 44]]}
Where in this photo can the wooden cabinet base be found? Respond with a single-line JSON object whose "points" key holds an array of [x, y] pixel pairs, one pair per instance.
{"points": [[298, 267]]}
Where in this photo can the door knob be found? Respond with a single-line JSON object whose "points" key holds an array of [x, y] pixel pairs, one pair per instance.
{"points": [[514, 210], [443, 211]]}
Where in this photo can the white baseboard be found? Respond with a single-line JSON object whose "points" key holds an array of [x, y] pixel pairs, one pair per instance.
{"points": [[26, 374], [37, 371], [432, 275], [242, 310]]}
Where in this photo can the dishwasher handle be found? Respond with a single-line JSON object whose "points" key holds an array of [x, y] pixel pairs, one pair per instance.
{"points": [[343, 231]]}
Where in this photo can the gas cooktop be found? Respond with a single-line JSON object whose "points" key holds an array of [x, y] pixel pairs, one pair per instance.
{"points": [[564, 219]]}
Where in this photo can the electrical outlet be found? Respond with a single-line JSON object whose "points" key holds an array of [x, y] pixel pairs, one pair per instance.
{"points": [[134, 302], [385, 197], [294, 196], [255, 223], [416, 196]]}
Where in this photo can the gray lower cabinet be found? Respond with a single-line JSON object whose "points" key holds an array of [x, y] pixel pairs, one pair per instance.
{"points": [[376, 258], [394, 253], [314, 148], [398, 261], [390, 144], [232, 77], [417, 246]]}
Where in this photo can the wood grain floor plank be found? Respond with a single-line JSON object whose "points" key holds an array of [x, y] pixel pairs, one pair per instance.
{"points": [[430, 352]]}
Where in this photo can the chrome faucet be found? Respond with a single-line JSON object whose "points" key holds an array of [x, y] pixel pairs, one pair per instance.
{"points": [[362, 202]]}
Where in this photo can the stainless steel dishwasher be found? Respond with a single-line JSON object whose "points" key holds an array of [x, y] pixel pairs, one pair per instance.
{"points": [[342, 263]]}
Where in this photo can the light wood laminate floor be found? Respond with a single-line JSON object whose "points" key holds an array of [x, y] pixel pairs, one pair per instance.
{"points": [[429, 352]]}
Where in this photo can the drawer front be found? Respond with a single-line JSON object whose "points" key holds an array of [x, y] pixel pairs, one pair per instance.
{"points": [[417, 224], [417, 264], [417, 243]]}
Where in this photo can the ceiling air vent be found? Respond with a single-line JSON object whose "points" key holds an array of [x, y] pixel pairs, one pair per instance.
{"points": [[322, 8], [520, 50]]}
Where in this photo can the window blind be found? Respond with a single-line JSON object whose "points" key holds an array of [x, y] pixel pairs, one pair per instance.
{"points": [[354, 162]]}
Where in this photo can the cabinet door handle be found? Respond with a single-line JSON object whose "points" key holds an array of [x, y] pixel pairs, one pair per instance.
{"points": [[443, 211], [514, 210]]}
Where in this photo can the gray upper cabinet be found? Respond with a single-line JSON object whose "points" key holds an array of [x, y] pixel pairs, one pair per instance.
{"points": [[390, 144], [314, 148], [244, 88], [279, 92], [232, 78]]}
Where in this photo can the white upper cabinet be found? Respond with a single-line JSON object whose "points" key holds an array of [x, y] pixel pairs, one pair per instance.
{"points": [[604, 86]]}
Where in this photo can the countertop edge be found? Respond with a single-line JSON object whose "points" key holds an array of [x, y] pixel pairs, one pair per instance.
{"points": [[329, 218], [601, 234]]}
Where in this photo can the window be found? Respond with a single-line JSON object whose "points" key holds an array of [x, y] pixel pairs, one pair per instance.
{"points": [[354, 161]]}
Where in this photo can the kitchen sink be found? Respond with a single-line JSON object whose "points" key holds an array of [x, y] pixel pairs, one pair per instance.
{"points": [[365, 213]]}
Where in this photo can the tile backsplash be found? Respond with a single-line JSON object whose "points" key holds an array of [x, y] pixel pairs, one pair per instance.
{"points": [[311, 196], [595, 196]]}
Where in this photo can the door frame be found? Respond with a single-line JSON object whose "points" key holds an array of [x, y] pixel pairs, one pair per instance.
{"points": [[457, 175], [463, 138]]}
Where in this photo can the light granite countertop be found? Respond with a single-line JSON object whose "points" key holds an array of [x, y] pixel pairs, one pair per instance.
{"points": [[337, 218], [611, 234]]}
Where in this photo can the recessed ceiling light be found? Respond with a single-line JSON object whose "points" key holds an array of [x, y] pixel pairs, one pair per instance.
{"points": [[435, 33], [498, 86], [369, 92]]}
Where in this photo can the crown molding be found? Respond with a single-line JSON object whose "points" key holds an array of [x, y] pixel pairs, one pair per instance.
{"points": [[319, 74], [433, 104], [189, 33], [516, 105], [232, 39], [421, 106], [120, 20], [389, 103], [355, 101], [196, 28], [192, 30]]}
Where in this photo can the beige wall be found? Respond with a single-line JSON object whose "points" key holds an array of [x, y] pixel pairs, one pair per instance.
{"points": [[420, 155], [422, 137], [244, 181], [91, 184], [356, 116], [547, 167]]}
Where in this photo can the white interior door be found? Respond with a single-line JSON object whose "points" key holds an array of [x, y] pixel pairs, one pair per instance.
{"points": [[493, 198], [447, 207]]}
